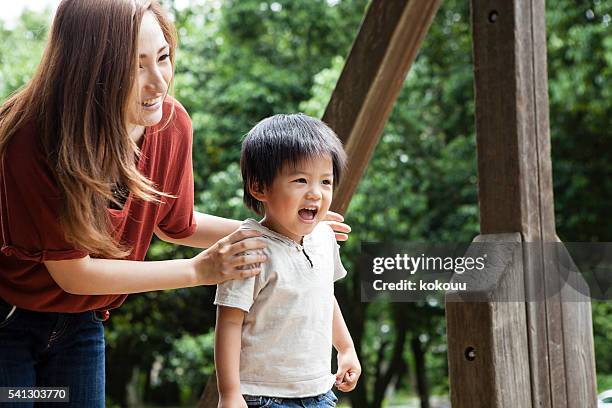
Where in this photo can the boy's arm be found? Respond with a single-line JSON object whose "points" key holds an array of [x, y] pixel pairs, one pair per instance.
{"points": [[228, 333], [349, 368]]}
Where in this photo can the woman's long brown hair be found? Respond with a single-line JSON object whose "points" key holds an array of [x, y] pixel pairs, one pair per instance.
{"points": [[78, 99]]}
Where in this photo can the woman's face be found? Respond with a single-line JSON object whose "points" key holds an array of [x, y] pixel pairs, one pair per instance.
{"points": [[154, 74]]}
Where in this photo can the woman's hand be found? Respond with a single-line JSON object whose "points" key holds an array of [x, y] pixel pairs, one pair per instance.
{"points": [[349, 370], [229, 258], [233, 400], [335, 221]]}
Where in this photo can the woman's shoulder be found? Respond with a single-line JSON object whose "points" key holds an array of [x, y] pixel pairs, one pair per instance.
{"points": [[25, 163], [24, 138], [24, 149]]}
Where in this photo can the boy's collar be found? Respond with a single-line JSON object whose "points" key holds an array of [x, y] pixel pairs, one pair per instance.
{"points": [[250, 223]]}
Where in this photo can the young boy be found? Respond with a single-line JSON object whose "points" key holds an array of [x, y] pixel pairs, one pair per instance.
{"points": [[275, 331]]}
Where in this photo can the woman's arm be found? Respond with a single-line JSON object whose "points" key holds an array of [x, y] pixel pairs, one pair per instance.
{"points": [[209, 230], [91, 276], [349, 368], [228, 334]]}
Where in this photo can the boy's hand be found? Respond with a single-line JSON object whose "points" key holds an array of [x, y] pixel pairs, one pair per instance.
{"points": [[336, 222], [233, 400], [349, 370]]}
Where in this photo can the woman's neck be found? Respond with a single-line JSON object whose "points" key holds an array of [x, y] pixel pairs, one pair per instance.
{"points": [[136, 132]]}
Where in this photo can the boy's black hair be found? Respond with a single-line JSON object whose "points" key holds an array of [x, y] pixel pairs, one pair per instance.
{"points": [[280, 140]]}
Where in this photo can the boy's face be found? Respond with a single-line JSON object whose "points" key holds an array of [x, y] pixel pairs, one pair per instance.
{"points": [[299, 197]]}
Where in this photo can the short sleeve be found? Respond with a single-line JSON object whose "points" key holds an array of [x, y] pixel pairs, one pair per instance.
{"points": [[237, 293], [241, 293], [339, 271], [30, 204], [177, 220]]}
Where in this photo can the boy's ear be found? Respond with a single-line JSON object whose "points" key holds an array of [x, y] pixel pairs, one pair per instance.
{"points": [[257, 191]]}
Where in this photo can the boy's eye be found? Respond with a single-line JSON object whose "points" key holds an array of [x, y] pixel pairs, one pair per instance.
{"points": [[300, 180], [327, 182]]}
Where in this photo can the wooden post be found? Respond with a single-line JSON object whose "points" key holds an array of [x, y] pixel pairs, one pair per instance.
{"points": [[382, 54], [384, 50], [515, 195], [488, 349]]}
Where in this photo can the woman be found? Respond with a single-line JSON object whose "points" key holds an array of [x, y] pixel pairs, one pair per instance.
{"points": [[96, 158]]}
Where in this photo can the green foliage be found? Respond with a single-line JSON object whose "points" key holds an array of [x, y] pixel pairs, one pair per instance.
{"points": [[580, 67], [602, 332], [20, 50], [242, 60], [253, 59], [190, 360]]}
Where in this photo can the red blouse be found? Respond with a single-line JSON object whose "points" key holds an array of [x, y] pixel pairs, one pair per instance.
{"points": [[30, 203]]}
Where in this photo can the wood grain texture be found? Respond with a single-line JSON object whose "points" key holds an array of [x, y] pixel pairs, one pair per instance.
{"points": [[515, 194], [501, 253], [508, 193], [578, 335], [376, 67], [495, 328]]}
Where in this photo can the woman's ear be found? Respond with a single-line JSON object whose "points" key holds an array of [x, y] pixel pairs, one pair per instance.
{"points": [[258, 192]]}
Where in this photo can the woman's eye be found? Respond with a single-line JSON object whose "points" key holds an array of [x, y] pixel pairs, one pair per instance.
{"points": [[164, 57]]}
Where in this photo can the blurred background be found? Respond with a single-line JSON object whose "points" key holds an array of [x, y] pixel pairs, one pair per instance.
{"points": [[240, 61]]}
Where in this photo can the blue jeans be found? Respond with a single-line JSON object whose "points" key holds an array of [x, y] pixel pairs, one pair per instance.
{"points": [[320, 401], [54, 350]]}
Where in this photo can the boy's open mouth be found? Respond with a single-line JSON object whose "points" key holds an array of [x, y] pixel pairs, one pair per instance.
{"points": [[308, 213]]}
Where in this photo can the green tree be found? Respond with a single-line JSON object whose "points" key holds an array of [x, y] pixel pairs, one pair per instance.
{"points": [[240, 61], [20, 50]]}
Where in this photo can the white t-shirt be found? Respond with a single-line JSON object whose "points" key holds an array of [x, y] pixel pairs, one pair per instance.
{"points": [[287, 330]]}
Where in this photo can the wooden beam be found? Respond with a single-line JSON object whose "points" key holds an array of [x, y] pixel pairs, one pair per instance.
{"points": [[515, 195], [386, 46]]}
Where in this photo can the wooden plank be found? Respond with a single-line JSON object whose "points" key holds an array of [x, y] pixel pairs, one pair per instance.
{"points": [[544, 314], [578, 349], [505, 116], [505, 157], [515, 195], [572, 336], [487, 340], [578, 335], [376, 67]]}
